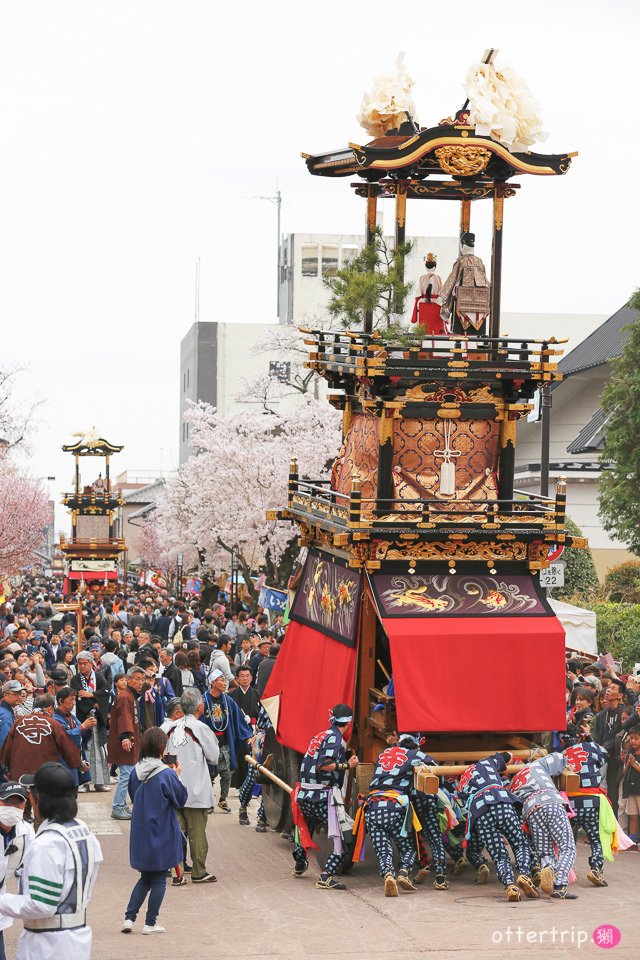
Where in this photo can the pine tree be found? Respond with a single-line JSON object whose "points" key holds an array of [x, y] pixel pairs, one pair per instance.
{"points": [[372, 282], [620, 482]]}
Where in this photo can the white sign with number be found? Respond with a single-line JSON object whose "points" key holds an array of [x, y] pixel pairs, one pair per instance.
{"points": [[553, 575]]}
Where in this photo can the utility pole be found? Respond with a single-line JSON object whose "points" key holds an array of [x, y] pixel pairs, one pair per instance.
{"points": [[277, 200]]}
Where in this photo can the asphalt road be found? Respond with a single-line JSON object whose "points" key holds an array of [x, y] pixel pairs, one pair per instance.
{"points": [[258, 910]]}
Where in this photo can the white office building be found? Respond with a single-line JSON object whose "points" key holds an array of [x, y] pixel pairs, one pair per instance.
{"points": [[307, 259]]}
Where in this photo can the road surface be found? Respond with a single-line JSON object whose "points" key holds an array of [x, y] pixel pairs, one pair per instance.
{"points": [[258, 910]]}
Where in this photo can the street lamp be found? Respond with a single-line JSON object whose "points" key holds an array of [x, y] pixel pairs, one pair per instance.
{"points": [[179, 565]]}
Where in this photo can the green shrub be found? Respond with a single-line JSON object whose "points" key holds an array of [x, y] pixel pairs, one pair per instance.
{"points": [[618, 629], [622, 583]]}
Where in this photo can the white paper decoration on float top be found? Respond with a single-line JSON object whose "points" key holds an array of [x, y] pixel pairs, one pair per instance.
{"points": [[501, 106], [389, 103]]}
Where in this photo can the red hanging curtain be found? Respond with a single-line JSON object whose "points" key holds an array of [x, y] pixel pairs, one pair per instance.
{"points": [[312, 673], [478, 674]]}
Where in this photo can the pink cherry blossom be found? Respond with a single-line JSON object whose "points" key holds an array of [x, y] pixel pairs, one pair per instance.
{"points": [[24, 513]]}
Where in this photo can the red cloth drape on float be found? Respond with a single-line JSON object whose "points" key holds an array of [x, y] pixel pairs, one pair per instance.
{"points": [[315, 672], [475, 674], [92, 575]]}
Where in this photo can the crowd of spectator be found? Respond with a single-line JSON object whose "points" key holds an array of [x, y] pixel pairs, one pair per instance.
{"points": [[80, 699], [605, 707]]}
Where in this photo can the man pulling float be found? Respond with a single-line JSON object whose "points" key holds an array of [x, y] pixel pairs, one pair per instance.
{"points": [[545, 816], [388, 815], [492, 822], [317, 798]]}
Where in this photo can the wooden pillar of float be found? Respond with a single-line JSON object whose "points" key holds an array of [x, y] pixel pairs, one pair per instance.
{"points": [[507, 458], [496, 260], [384, 490], [369, 236], [400, 231]]}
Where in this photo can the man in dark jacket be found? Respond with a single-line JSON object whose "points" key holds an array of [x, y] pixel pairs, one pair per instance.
{"points": [[262, 652], [50, 650], [171, 672], [124, 738], [136, 619], [245, 695], [607, 724], [247, 699], [162, 624], [265, 668]]}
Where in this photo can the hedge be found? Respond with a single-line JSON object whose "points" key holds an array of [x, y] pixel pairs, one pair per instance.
{"points": [[618, 630]]}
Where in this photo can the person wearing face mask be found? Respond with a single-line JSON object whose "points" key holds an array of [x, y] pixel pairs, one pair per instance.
{"points": [[58, 874], [15, 837]]}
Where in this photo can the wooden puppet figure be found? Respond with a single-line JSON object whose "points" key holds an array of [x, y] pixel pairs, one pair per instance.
{"points": [[466, 293]]}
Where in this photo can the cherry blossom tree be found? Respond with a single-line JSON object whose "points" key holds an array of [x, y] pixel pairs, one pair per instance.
{"points": [[157, 553], [220, 497], [16, 416], [24, 513], [287, 343]]}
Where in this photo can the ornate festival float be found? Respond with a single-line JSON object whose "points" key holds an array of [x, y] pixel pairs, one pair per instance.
{"points": [[92, 552], [422, 560]]}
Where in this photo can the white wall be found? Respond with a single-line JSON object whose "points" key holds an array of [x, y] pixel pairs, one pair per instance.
{"points": [[237, 362]]}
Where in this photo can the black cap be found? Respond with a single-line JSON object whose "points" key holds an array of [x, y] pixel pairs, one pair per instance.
{"points": [[54, 780], [13, 789], [59, 676], [468, 239]]}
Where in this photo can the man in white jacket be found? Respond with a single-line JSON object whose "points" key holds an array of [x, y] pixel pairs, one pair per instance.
{"points": [[15, 837], [58, 874], [195, 746]]}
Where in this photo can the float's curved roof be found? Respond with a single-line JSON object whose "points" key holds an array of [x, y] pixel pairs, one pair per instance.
{"points": [[452, 148]]}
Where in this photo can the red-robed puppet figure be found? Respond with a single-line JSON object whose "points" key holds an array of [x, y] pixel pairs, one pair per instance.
{"points": [[426, 311]]}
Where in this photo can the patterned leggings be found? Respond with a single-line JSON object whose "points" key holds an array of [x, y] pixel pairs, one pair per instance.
{"points": [[426, 806], [550, 829], [384, 825], [315, 814], [246, 792], [589, 819], [498, 823]]}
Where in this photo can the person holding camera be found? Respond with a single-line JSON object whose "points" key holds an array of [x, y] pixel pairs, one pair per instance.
{"points": [[155, 841]]}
